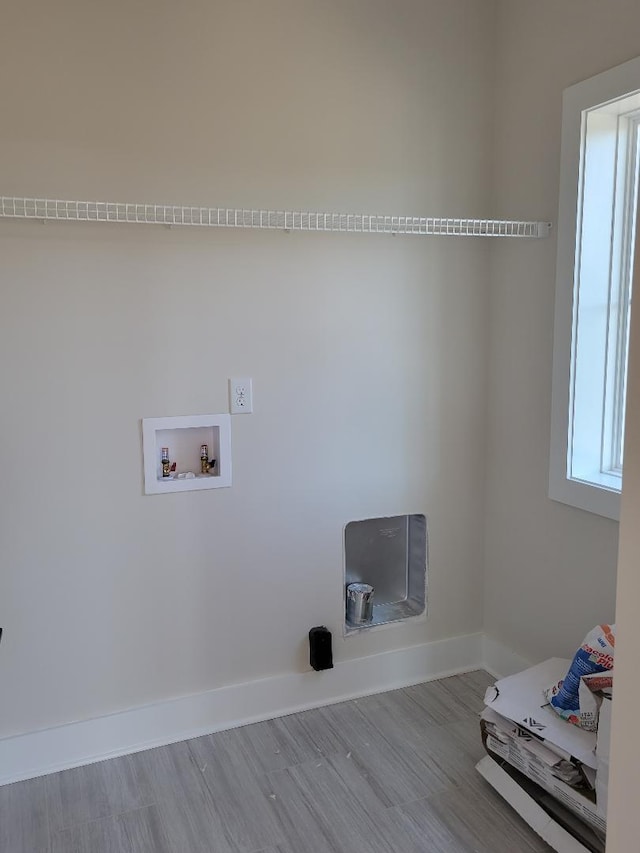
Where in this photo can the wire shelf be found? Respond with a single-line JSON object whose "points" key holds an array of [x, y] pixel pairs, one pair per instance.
{"points": [[285, 220]]}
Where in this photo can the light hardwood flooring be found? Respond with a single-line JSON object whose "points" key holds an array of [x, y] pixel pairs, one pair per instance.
{"points": [[390, 773]]}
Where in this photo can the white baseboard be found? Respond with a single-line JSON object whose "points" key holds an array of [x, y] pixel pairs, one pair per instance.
{"points": [[500, 661], [72, 745]]}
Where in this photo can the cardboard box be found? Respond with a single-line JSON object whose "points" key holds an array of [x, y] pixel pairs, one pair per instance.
{"points": [[529, 808], [530, 746], [570, 771], [533, 768], [521, 698]]}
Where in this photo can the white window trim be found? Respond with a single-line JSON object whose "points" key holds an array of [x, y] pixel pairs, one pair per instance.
{"points": [[614, 415], [600, 89]]}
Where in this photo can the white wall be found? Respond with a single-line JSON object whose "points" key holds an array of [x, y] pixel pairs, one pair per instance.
{"points": [[550, 569], [367, 353]]}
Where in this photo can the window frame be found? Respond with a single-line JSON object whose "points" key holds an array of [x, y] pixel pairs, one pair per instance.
{"points": [[618, 354], [584, 96]]}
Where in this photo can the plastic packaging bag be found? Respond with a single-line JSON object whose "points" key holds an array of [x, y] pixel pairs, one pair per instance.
{"points": [[574, 697]]}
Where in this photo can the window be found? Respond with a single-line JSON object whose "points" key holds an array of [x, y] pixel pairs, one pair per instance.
{"points": [[596, 236]]}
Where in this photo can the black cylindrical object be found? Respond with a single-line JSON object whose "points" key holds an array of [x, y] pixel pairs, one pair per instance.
{"points": [[320, 652]]}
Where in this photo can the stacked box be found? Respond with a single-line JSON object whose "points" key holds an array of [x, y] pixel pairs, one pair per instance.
{"points": [[520, 730]]}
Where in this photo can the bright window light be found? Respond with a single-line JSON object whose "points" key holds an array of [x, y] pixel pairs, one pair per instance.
{"points": [[596, 237]]}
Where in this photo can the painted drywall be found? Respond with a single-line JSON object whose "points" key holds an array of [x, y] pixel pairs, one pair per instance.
{"points": [[549, 568], [367, 353], [623, 819]]}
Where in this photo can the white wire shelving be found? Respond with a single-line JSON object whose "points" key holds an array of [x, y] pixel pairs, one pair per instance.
{"points": [[46, 209]]}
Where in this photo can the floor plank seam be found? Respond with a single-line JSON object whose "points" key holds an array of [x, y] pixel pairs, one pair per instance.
{"points": [[110, 816]]}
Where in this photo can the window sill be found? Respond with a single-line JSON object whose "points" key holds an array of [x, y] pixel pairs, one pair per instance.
{"points": [[586, 496]]}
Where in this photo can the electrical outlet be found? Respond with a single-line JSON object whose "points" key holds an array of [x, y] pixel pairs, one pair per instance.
{"points": [[240, 396]]}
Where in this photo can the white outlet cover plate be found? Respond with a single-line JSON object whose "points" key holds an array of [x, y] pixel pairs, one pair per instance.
{"points": [[241, 396]]}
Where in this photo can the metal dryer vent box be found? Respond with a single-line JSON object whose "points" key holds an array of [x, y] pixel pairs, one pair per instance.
{"points": [[390, 554]]}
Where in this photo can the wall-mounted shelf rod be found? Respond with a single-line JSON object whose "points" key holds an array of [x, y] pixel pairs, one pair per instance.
{"points": [[285, 220]]}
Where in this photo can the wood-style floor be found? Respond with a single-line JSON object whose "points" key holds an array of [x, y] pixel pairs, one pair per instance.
{"points": [[391, 773]]}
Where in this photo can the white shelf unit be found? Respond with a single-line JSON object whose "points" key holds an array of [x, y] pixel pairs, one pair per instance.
{"points": [[184, 436], [59, 210]]}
